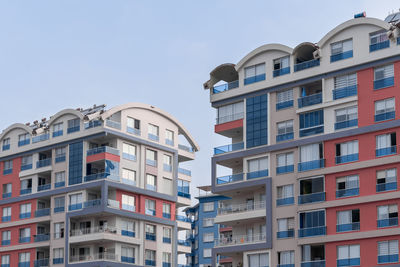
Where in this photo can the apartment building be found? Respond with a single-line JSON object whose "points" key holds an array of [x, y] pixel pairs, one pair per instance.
{"points": [[95, 187], [313, 155], [204, 231]]}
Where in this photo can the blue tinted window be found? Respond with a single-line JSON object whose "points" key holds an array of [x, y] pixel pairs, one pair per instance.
{"points": [[256, 121], [75, 163]]}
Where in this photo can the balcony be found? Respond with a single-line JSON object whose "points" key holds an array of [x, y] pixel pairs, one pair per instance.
{"points": [[306, 65], [311, 165], [386, 151], [102, 149], [284, 169], [341, 56], [58, 260], [26, 167], [386, 187], [347, 192], [285, 201], [24, 264], [348, 227], [132, 130], [344, 92], [346, 124], [77, 206], [183, 218], [285, 234], [99, 176], [113, 124], [286, 265], [230, 178], [5, 242], [348, 262], [228, 118], [388, 258], [254, 79], [311, 198], [240, 240], [280, 72], [312, 231], [346, 158], [40, 138], [228, 148], [379, 46], [166, 215], [89, 257], [310, 100], [183, 243], [169, 142], [6, 219], [73, 129], [127, 207], [43, 163], [387, 222], [383, 83], [41, 263], [225, 87], [7, 171], [25, 191], [150, 212], [311, 130], [257, 174], [42, 212], [43, 187], [284, 137], [113, 203], [92, 203], [92, 124], [42, 237], [238, 208], [283, 105], [94, 230]]}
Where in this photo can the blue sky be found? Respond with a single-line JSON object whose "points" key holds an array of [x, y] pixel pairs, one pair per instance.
{"points": [[74, 53]]}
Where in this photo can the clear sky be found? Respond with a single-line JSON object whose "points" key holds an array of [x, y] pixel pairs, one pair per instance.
{"points": [[74, 53]]}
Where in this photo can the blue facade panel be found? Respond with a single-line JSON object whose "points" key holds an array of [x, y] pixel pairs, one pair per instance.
{"points": [[257, 121]]}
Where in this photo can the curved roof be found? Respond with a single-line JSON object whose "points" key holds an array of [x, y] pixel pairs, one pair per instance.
{"points": [[303, 45], [181, 128], [64, 112], [261, 49], [225, 72], [13, 127], [353, 22]]}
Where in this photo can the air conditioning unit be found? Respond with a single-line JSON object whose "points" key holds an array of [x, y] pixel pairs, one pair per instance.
{"points": [[317, 53]]}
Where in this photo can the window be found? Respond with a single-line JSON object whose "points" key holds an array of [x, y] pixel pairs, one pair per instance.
{"points": [[348, 255], [208, 206], [59, 204], [311, 123], [167, 186], [151, 157], [256, 121], [60, 154], [285, 130], [59, 179], [344, 86], [133, 126], [311, 190], [346, 117], [151, 182], [384, 109], [208, 222], [347, 186], [281, 66], [166, 257], [59, 230], [73, 125], [6, 214], [341, 50], [128, 176], [26, 186], [285, 228], [258, 260], [348, 220], [167, 210], [6, 144], [311, 157], [150, 256], [167, 159], [58, 255], [347, 152], [254, 73], [284, 99], [387, 215], [312, 223], [257, 168], [127, 254], [286, 257], [24, 235], [75, 163], [386, 180], [58, 129], [183, 188], [150, 206], [385, 144], [383, 76], [6, 238], [8, 165], [23, 139], [207, 253], [128, 151], [24, 257], [153, 132], [378, 40], [167, 235], [7, 190], [5, 260], [75, 201], [26, 162], [230, 112], [128, 203], [25, 211], [388, 251], [128, 228], [169, 137], [284, 163], [285, 195]]}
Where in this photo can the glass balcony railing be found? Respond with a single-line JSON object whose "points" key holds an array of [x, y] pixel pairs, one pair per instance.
{"points": [[167, 167], [310, 198], [346, 124], [228, 148], [385, 151], [383, 83], [40, 138], [386, 187], [348, 262], [284, 137], [92, 203], [150, 236], [102, 149], [153, 137], [41, 237], [128, 233], [58, 260], [25, 191], [285, 201], [59, 184], [169, 142], [254, 79], [6, 218], [57, 133], [385, 116], [392, 258], [348, 227], [43, 187], [98, 176], [25, 239], [76, 206], [26, 167], [283, 105], [284, 169], [240, 240], [230, 178], [347, 192], [42, 212], [127, 259], [186, 148], [151, 162], [59, 158], [344, 92], [7, 195], [239, 208], [346, 158], [341, 56], [228, 118], [43, 163], [379, 46], [311, 165], [6, 147], [167, 240], [92, 124], [184, 194], [7, 171], [73, 129], [286, 265], [183, 218], [285, 234], [225, 87], [150, 262], [132, 130], [387, 222], [24, 142], [312, 231], [184, 243], [257, 174], [113, 124], [306, 65], [311, 130], [310, 100], [59, 209], [280, 72]]}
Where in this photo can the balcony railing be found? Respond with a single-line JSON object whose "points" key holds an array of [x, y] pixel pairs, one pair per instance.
{"points": [[41, 263], [167, 167], [57, 133], [386, 151], [284, 137], [59, 184], [184, 171], [254, 79], [230, 178], [225, 87], [311, 130], [341, 56], [347, 192], [24, 239], [7, 195], [383, 83], [284, 169], [58, 260], [280, 72], [127, 259], [40, 138], [113, 203], [348, 227], [96, 257], [77, 206], [93, 230], [169, 142], [285, 201], [312, 231], [282, 105], [59, 209], [257, 174], [186, 148], [24, 142], [310, 100], [240, 240], [348, 262], [183, 218], [102, 149], [311, 165], [25, 215], [385, 116], [92, 124], [43, 163], [6, 147], [92, 203], [133, 130], [43, 187], [59, 158], [346, 158], [102, 175], [151, 236], [150, 262], [238, 208], [128, 233], [25, 191], [386, 187], [344, 92], [285, 234], [183, 243], [128, 156], [306, 65], [310, 198], [153, 137], [42, 212], [113, 124], [346, 124], [388, 258], [26, 167], [228, 148], [228, 118], [42, 237], [379, 46], [387, 222], [73, 129]]}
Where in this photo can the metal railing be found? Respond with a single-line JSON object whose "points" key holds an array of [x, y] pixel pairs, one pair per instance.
{"points": [[306, 64], [231, 117], [240, 240], [97, 256], [93, 230], [237, 208]]}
